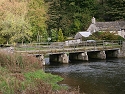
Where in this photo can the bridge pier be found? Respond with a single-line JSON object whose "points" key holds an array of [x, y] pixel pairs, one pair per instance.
{"points": [[41, 58], [112, 53], [78, 56], [60, 58], [97, 55], [64, 58]]}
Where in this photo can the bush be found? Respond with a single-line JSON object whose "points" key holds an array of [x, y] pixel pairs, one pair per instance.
{"points": [[22, 74], [19, 62]]}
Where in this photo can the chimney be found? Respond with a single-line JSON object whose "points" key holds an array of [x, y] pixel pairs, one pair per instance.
{"points": [[93, 20]]}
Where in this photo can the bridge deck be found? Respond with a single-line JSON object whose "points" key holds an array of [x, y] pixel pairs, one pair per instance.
{"points": [[69, 50]]}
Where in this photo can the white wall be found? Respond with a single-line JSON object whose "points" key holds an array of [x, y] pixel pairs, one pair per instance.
{"points": [[92, 28], [70, 42]]}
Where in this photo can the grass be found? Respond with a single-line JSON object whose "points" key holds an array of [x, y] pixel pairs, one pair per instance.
{"points": [[48, 78], [23, 74], [27, 82]]}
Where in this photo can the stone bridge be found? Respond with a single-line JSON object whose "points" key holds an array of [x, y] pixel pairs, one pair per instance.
{"points": [[84, 55], [82, 51], [81, 54]]}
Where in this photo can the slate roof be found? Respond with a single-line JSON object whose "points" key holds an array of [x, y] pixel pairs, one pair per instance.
{"points": [[82, 34], [122, 24], [85, 34], [110, 26]]}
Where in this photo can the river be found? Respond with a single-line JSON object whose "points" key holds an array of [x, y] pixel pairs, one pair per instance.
{"points": [[94, 76]]}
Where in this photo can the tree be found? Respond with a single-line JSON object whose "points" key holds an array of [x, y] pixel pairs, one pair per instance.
{"points": [[54, 35], [44, 36], [2, 40], [16, 29], [14, 26], [54, 14], [71, 16], [22, 32], [60, 36], [115, 10], [37, 17], [6, 31]]}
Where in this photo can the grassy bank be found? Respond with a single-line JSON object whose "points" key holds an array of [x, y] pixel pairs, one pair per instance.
{"points": [[22, 74]]}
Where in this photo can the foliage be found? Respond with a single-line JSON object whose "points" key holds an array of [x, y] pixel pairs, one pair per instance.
{"points": [[44, 36], [60, 36], [8, 83], [70, 16], [21, 20], [54, 14], [54, 35], [2, 40], [16, 82], [115, 10], [30, 80], [14, 61], [11, 69], [110, 10], [105, 36], [14, 26], [37, 17], [32, 83]]}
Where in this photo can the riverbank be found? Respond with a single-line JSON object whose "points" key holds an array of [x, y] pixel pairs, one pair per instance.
{"points": [[23, 74]]}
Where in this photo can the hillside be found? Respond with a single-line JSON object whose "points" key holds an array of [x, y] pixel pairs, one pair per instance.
{"points": [[36, 20]]}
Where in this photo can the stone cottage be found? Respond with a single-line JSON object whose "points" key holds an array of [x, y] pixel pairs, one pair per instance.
{"points": [[117, 27]]}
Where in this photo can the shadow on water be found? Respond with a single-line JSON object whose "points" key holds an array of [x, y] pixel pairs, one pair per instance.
{"points": [[94, 76]]}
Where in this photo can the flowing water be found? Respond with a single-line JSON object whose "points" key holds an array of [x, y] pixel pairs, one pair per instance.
{"points": [[93, 77]]}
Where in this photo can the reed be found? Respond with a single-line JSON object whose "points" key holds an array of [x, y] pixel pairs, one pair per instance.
{"points": [[16, 62], [23, 74]]}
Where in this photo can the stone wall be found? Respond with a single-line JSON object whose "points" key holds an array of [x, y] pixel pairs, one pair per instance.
{"points": [[122, 52]]}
